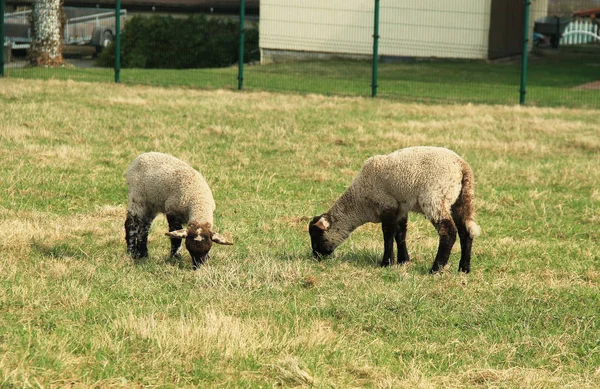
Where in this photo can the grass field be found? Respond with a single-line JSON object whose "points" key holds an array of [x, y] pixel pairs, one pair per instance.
{"points": [[75, 311], [554, 78]]}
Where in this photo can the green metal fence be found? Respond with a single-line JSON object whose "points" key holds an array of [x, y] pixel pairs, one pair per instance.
{"points": [[457, 51], [2, 37]]}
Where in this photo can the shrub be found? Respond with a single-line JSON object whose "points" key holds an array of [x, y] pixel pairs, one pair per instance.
{"points": [[195, 42]]}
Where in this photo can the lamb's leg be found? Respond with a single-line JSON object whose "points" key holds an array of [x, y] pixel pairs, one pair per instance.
{"points": [[447, 232], [459, 210], [388, 226], [465, 246], [131, 235], [174, 225], [401, 241], [136, 234], [142, 243]]}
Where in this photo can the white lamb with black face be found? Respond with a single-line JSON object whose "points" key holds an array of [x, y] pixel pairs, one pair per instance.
{"points": [[433, 181], [161, 183]]}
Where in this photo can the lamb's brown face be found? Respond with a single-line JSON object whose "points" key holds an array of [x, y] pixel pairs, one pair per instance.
{"points": [[317, 229], [198, 243], [199, 239]]}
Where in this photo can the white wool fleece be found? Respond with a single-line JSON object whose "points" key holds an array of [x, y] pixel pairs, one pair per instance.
{"points": [[161, 183], [423, 179]]}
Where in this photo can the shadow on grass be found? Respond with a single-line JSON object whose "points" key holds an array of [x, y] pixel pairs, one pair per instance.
{"points": [[161, 261], [57, 250], [361, 257], [177, 260], [139, 261], [368, 258]]}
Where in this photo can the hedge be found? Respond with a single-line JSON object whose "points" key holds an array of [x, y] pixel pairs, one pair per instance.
{"points": [[172, 43]]}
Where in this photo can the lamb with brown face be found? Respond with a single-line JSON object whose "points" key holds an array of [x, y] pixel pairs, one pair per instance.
{"points": [[433, 181], [161, 183], [198, 241]]}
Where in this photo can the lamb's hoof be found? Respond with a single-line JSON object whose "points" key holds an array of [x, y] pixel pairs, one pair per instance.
{"points": [[385, 263], [136, 255], [465, 270]]}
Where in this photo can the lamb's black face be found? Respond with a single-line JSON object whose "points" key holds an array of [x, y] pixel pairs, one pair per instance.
{"points": [[318, 238], [198, 249]]}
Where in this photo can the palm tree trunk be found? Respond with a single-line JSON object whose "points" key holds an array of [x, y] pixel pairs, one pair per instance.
{"points": [[46, 20]]}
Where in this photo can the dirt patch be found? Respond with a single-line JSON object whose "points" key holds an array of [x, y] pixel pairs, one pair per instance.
{"points": [[588, 86]]}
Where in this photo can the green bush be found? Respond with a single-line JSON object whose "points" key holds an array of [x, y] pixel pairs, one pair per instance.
{"points": [[195, 42]]}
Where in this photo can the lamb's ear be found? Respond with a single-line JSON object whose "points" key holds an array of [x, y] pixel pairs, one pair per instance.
{"points": [[220, 239], [179, 234], [322, 224]]}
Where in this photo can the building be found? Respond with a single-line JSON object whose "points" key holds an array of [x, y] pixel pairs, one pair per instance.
{"points": [[476, 29]]}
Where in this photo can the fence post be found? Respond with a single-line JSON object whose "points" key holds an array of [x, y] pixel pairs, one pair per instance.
{"points": [[375, 50], [118, 41], [242, 41], [523, 90], [2, 37]]}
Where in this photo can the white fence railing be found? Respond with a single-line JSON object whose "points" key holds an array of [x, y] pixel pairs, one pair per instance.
{"points": [[580, 32]]}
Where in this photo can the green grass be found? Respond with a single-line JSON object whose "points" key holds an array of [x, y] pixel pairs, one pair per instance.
{"points": [[76, 311], [552, 75]]}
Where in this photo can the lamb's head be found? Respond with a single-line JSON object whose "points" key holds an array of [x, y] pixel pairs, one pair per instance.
{"points": [[199, 238], [321, 238]]}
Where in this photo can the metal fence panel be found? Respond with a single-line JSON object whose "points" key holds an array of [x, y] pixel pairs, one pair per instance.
{"points": [[427, 50]]}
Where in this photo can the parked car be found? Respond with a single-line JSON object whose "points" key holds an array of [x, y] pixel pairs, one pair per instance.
{"points": [[91, 27]]}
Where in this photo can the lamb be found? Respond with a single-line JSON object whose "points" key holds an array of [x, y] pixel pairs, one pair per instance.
{"points": [[159, 182], [433, 181]]}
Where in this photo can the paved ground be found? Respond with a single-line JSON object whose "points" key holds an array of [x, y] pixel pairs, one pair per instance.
{"points": [[85, 62], [77, 55]]}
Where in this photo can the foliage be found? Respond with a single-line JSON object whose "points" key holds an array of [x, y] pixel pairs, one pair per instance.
{"points": [[173, 43], [75, 311]]}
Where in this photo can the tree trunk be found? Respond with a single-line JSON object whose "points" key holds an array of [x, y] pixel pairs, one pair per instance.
{"points": [[46, 21]]}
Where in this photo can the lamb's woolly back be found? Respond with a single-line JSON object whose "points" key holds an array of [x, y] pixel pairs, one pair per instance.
{"points": [[162, 183], [416, 179]]}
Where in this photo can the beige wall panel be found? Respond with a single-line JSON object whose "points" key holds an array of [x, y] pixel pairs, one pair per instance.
{"points": [[310, 25], [424, 28], [434, 28], [539, 9]]}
